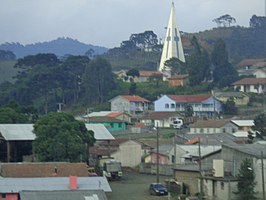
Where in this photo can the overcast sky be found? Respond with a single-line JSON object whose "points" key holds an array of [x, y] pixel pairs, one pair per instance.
{"points": [[108, 22]]}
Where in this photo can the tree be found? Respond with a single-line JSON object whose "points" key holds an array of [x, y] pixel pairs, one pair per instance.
{"points": [[189, 110], [13, 113], [226, 20], [198, 64], [98, 80], [176, 66], [230, 107], [7, 55], [59, 137], [246, 181], [260, 124], [133, 73], [133, 89], [257, 22], [224, 73]]}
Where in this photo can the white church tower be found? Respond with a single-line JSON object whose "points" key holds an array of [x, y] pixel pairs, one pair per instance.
{"points": [[172, 46]]}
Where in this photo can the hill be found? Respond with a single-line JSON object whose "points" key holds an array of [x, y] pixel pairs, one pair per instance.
{"points": [[7, 71], [59, 47]]}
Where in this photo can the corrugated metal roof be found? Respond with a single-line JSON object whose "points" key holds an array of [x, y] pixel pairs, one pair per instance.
{"points": [[12, 132], [8, 185], [243, 122], [100, 132], [66, 195]]}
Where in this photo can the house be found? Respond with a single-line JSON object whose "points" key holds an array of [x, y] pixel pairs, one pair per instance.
{"points": [[209, 126], [239, 128], [10, 136], [111, 123], [255, 85], [13, 134], [257, 73], [178, 80], [203, 105], [237, 153], [131, 104], [219, 178], [11, 187], [128, 152], [160, 119], [117, 115], [240, 98], [147, 76], [251, 63]]}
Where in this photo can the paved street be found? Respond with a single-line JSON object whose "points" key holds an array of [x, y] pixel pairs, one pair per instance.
{"points": [[134, 186]]}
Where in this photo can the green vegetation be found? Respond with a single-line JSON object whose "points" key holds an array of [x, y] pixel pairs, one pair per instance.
{"points": [[59, 137], [246, 181], [7, 71]]}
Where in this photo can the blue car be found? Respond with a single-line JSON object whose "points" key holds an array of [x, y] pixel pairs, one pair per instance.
{"points": [[157, 189]]}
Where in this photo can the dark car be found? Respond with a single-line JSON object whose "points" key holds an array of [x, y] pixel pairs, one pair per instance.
{"points": [[158, 189]]}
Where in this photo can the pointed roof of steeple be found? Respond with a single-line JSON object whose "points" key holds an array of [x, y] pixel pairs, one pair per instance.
{"points": [[172, 44]]}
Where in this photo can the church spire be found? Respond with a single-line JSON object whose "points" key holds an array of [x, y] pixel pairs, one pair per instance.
{"points": [[172, 46]]}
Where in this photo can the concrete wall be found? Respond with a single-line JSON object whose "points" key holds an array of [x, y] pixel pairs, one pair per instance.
{"points": [[129, 154], [190, 178]]}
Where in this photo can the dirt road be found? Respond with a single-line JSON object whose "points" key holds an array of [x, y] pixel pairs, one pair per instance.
{"points": [[134, 186]]}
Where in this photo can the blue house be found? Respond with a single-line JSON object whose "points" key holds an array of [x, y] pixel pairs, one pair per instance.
{"points": [[204, 105]]}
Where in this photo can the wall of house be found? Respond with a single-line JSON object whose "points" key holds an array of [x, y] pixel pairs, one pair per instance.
{"points": [[229, 128], [236, 158], [164, 104], [9, 196], [250, 88], [120, 104], [129, 154], [163, 159], [193, 130], [190, 178], [219, 189]]}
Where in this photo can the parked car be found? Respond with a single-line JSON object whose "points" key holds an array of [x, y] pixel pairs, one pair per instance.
{"points": [[157, 189]]}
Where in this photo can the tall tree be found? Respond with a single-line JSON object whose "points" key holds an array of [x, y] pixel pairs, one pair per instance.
{"points": [[224, 73], [59, 137], [246, 181], [198, 64], [98, 80], [260, 124]]}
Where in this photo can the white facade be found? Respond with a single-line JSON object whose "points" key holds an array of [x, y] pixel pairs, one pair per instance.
{"points": [[205, 108], [129, 154]]}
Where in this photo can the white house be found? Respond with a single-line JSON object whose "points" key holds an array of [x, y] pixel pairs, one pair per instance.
{"points": [[131, 104], [255, 85], [203, 104], [161, 119]]}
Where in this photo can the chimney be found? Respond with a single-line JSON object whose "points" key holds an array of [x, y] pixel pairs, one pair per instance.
{"points": [[73, 182]]}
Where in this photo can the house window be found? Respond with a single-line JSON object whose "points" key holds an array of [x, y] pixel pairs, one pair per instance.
{"points": [[166, 105], [224, 130], [222, 185], [201, 130], [119, 125], [233, 130], [3, 195], [112, 125], [172, 105]]}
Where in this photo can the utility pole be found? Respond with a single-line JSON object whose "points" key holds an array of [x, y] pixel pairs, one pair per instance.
{"points": [[157, 158], [262, 174], [200, 169]]}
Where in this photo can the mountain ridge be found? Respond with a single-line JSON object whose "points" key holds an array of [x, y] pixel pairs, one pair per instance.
{"points": [[61, 46]]}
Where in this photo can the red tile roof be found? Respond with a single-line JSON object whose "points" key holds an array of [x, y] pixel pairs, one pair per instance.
{"points": [[149, 73], [101, 151], [134, 98], [28, 170], [114, 114], [250, 81], [189, 98], [159, 115], [249, 62], [104, 119], [115, 142]]}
